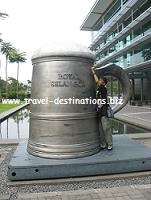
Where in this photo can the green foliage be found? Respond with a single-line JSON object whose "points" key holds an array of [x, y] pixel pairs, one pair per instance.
{"points": [[147, 54], [114, 87], [13, 56], [2, 85], [17, 57], [4, 95], [12, 89], [22, 95], [7, 49]]}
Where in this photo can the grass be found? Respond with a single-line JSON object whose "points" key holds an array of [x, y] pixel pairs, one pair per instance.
{"points": [[5, 107]]}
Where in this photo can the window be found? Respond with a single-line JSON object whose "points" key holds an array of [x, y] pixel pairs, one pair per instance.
{"points": [[136, 14], [97, 57], [109, 38], [105, 40], [101, 45], [120, 44], [120, 27], [115, 32], [127, 21], [105, 53], [124, 1], [98, 25], [97, 48], [146, 52], [127, 39], [112, 11], [146, 27], [142, 53], [121, 61], [125, 56], [137, 50], [145, 6], [137, 32], [129, 58], [112, 49], [138, 11]]}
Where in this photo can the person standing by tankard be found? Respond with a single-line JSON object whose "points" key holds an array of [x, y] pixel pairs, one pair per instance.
{"points": [[104, 121]]}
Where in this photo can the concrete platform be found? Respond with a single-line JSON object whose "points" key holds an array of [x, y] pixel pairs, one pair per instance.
{"points": [[127, 156]]}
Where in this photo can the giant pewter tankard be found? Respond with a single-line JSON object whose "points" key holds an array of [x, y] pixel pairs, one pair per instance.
{"points": [[66, 130]]}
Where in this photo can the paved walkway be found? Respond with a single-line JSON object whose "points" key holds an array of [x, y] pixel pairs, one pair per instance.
{"points": [[4, 197], [139, 192], [137, 115], [132, 192]]}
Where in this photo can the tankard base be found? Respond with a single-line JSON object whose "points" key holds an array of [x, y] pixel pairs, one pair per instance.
{"points": [[62, 151]]}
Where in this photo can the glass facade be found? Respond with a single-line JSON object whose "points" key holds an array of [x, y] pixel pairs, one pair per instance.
{"points": [[135, 56], [135, 12], [107, 16], [112, 11], [134, 34], [126, 43]]}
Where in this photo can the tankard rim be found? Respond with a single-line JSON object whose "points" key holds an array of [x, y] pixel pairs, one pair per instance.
{"points": [[65, 50]]}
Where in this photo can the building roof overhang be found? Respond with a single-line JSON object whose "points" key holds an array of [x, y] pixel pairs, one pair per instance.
{"points": [[139, 67], [95, 14]]}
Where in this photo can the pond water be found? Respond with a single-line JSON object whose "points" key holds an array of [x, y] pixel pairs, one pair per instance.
{"points": [[17, 126]]}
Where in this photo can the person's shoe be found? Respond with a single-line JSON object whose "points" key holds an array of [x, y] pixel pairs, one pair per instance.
{"points": [[103, 146], [110, 147]]}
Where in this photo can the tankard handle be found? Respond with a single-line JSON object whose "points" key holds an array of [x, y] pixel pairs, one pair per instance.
{"points": [[121, 75]]}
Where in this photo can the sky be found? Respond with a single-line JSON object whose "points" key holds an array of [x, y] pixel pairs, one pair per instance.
{"points": [[33, 23]]}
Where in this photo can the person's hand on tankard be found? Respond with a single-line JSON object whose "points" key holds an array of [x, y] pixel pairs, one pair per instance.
{"points": [[95, 76], [92, 69]]}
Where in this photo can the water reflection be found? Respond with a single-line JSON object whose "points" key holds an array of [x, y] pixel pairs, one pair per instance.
{"points": [[16, 126], [119, 127]]}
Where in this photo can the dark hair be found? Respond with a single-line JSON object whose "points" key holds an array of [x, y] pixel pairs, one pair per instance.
{"points": [[104, 79]]}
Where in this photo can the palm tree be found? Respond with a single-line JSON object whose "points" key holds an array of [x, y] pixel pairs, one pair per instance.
{"points": [[8, 50], [18, 57]]}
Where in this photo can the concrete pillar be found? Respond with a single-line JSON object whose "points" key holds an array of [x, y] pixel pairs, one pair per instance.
{"points": [[133, 89], [142, 84], [111, 80], [125, 129]]}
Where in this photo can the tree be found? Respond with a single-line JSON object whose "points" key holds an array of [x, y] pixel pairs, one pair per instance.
{"points": [[147, 54], [18, 57], [8, 50], [29, 86]]}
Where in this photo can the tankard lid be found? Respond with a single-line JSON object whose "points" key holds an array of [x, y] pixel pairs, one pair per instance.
{"points": [[63, 49]]}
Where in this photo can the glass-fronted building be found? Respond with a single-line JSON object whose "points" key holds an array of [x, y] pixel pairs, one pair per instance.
{"points": [[121, 34]]}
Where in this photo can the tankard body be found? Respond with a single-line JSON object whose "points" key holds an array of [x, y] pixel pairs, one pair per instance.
{"points": [[59, 126]]}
